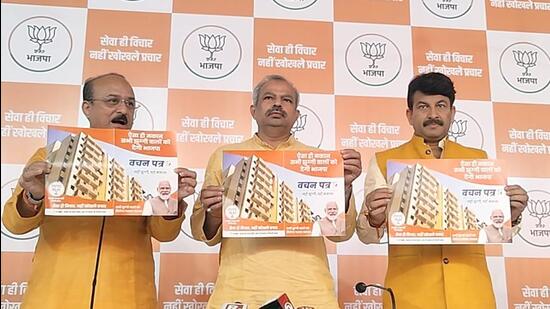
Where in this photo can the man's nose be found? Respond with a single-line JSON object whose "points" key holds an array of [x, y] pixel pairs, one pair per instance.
{"points": [[123, 108], [278, 102], [432, 113]]}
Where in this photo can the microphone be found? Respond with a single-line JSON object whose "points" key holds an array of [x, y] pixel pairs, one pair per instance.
{"points": [[281, 302], [361, 287]]}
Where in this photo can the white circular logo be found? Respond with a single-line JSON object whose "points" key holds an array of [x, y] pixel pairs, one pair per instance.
{"points": [[232, 212], [295, 4], [7, 190], [56, 189], [535, 223], [525, 67], [142, 117], [448, 9], [466, 130], [308, 128], [211, 52], [398, 218], [373, 59], [40, 44]]}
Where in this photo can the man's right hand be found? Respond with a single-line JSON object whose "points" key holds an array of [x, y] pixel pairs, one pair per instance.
{"points": [[33, 178], [211, 200], [376, 203]]}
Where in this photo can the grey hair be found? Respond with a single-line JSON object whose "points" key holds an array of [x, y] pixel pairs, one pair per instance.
{"points": [[267, 79]]}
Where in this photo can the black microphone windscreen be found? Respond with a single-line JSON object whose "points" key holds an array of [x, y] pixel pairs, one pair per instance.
{"points": [[361, 287]]}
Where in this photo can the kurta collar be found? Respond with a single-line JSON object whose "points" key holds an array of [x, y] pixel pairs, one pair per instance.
{"points": [[419, 140], [289, 142]]}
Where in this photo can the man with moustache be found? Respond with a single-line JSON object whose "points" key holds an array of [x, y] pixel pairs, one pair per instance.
{"points": [[161, 204], [92, 262], [255, 270], [430, 276], [332, 224], [497, 231]]}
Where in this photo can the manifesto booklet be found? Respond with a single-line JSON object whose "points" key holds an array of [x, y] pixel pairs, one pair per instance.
{"points": [[444, 201], [283, 193], [111, 172]]}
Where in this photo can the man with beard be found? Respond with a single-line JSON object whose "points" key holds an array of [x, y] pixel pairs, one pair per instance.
{"points": [[332, 224], [161, 204], [255, 270], [430, 276], [497, 231], [92, 262]]}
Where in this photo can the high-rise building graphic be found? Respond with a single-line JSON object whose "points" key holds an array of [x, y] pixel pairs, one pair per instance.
{"points": [[259, 194], [288, 209], [304, 212], [426, 203], [86, 171]]}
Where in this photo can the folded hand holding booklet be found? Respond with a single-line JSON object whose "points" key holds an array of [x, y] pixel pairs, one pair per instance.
{"points": [[111, 172], [444, 201]]}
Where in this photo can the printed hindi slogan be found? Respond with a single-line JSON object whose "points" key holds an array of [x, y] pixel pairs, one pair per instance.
{"points": [[110, 172], [283, 193], [448, 201]]}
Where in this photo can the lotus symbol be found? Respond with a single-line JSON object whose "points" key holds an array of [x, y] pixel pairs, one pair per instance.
{"points": [[539, 209], [373, 51], [526, 59], [458, 129], [41, 35], [212, 43], [300, 124]]}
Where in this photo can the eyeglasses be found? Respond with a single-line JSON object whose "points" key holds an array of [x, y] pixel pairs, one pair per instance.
{"points": [[131, 104]]}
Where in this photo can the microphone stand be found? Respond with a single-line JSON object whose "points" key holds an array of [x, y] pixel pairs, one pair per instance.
{"points": [[362, 287], [94, 281]]}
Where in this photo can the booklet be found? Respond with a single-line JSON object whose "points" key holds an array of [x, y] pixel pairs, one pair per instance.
{"points": [[111, 172], [448, 201], [283, 193]]}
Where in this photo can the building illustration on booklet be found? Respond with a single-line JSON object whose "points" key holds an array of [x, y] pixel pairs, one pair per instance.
{"points": [[426, 203], [87, 171], [259, 194]]}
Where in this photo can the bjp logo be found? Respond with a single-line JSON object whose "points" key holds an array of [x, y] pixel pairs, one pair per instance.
{"points": [[41, 35]]}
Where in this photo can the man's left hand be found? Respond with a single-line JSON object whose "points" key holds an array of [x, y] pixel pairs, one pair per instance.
{"points": [[352, 166], [518, 199], [187, 180]]}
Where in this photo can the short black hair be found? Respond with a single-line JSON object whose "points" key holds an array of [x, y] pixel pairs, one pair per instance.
{"points": [[431, 84], [88, 90]]}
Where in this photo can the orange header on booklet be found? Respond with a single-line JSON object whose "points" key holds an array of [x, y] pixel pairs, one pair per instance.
{"points": [[321, 163], [154, 143], [495, 170]]}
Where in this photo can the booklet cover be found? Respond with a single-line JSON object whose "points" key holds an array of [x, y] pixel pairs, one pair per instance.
{"points": [[111, 172], [283, 193], [448, 201]]}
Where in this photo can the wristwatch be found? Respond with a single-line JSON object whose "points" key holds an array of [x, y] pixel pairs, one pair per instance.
{"points": [[32, 200]]}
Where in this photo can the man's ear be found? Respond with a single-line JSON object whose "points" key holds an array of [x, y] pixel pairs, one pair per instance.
{"points": [[297, 115], [453, 112], [252, 110], [86, 107], [409, 114]]}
